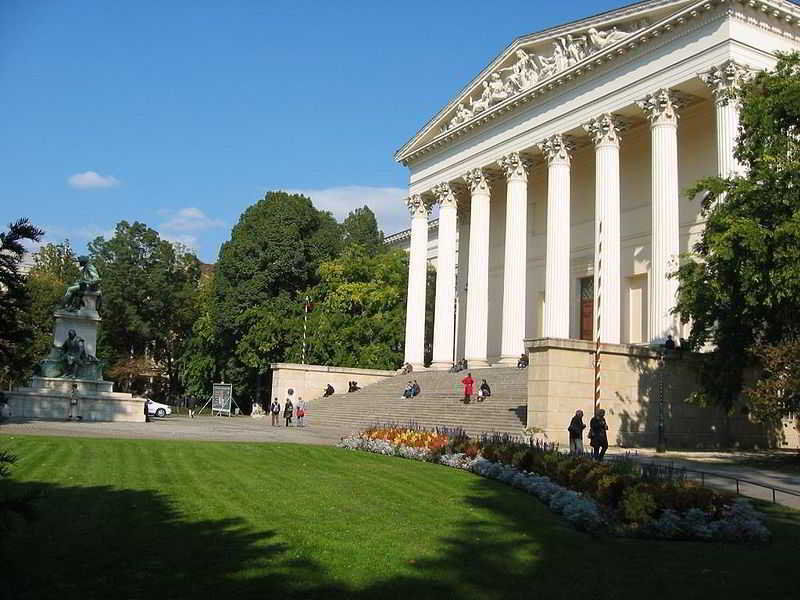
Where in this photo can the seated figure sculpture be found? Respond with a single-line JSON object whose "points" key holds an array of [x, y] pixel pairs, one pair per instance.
{"points": [[73, 355], [89, 281]]}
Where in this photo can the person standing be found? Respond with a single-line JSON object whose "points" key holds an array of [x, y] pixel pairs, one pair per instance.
{"points": [[576, 427], [301, 411], [598, 434], [468, 382], [275, 411], [288, 409]]}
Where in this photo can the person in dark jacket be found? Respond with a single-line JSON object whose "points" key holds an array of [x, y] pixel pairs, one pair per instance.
{"points": [[288, 408], [484, 391], [275, 411], [576, 427], [598, 435]]}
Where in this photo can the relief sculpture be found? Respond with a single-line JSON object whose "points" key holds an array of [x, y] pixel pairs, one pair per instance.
{"points": [[529, 69]]}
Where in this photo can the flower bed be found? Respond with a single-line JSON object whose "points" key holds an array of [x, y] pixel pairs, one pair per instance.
{"points": [[620, 498]]}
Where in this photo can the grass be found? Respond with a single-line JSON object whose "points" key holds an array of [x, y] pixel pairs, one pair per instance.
{"points": [[160, 519]]}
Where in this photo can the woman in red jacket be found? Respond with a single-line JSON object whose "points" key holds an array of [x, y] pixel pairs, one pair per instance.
{"points": [[468, 383]]}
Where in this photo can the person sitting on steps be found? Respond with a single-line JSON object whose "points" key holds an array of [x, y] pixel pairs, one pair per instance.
{"points": [[484, 391], [408, 391], [415, 389], [522, 363], [329, 391]]}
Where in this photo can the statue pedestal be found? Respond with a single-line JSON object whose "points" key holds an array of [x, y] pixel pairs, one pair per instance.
{"points": [[51, 396]]}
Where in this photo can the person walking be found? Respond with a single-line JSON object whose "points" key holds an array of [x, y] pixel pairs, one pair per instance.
{"points": [[598, 435], [576, 427], [301, 411], [288, 408], [275, 411], [468, 382]]}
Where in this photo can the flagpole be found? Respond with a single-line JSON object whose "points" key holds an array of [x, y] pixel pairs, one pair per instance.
{"points": [[598, 281]]}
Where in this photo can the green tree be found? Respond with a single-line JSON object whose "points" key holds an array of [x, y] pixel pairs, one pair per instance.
{"points": [[54, 268], [16, 332], [361, 227], [741, 287], [149, 300], [359, 309], [271, 258]]}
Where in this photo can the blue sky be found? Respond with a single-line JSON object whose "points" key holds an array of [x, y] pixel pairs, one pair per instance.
{"points": [[180, 114]]}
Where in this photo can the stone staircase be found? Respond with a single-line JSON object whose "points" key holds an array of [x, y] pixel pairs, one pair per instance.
{"points": [[438, 404]]}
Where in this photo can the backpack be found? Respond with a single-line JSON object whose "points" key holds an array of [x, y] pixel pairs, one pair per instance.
{"points": [[276, 408]]}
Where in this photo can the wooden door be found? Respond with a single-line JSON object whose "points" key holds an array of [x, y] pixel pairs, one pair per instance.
{"points": [[587, 308]]}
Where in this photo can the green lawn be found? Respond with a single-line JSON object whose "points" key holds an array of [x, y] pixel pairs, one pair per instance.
{"points": [[155, 519]]}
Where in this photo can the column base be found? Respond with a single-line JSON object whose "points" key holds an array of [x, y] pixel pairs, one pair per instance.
{"points": [[477, 363], [439, 365], [506, 361], [418, 367]]}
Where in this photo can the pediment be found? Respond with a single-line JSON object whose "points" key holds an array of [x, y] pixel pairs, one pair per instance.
{"points": [[534, 61]]}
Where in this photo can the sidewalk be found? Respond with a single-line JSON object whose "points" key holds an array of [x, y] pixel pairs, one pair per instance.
{"points": [[731, 464]]}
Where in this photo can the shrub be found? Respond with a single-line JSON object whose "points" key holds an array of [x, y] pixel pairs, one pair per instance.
{"points": [[638, 505], [611, 488]]}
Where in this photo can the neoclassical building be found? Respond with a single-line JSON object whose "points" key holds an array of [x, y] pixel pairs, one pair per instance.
{"points": [[559, 174]]}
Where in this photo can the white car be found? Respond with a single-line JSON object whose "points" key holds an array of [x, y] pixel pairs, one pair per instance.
{"points": [[157, 409]]}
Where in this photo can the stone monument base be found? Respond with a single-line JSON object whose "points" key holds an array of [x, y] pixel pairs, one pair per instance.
{"points": [[50, 398]]}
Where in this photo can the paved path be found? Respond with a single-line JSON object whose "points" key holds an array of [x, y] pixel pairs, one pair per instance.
{"points": [[732, 464], [179, 427]]}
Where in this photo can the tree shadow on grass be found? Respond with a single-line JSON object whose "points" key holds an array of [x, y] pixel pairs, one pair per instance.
{"points": [[100, 542]]}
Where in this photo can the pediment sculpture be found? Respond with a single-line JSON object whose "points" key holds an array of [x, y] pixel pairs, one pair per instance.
{"points": [[529, 69]]}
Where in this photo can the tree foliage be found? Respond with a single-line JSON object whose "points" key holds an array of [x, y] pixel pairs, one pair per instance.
{"points": [[54, 268], [741, 287], [776, 394], [262, 272], [149, 299], [16, 332], [358, 319], [361, 227]]}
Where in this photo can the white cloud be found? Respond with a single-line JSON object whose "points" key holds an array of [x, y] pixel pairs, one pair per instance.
{"points": [[91, 180], [386, 202], [187, 220]]}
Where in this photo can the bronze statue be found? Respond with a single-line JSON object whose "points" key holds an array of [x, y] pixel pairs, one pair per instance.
{"points": [[89, 281]]}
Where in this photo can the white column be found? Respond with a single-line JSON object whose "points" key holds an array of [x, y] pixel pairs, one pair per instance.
{"points": [[444, 320], [557, 150], [660, 108], [604, 131], [417, 271], [478, 276], [723, 81], [516, 258]]}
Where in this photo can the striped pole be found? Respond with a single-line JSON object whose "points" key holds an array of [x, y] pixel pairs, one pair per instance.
{"points": [[305, 327], [598, 287]]}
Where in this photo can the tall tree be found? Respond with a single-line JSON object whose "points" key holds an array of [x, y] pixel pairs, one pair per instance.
{"points": [[149, 299], [361, 227], [271, 258], [16, 332], [54, 269], [741, 287], [359, 310]]}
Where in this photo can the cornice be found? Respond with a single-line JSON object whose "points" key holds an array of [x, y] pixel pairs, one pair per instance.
{"points": [[787, 11]]}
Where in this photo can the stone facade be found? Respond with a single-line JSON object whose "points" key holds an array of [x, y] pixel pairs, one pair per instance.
{"points": [[309, 381], [561, 380]]}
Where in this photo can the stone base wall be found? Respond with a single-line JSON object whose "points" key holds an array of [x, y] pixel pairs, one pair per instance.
{"points": [[561, 381], [309, 381], [49, 398]]}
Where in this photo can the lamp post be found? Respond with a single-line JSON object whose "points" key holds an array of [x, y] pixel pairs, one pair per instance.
{"points": [[661, 445]]}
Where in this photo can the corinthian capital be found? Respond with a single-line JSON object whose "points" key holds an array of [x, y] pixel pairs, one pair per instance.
{"points": [[477, 180], [605, 129], [661, 107], [514, 166], [417, 206], [557, 148], [445, 195], [724, 80]]}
